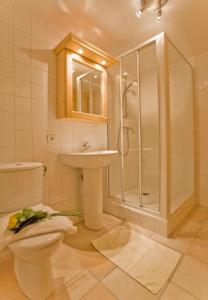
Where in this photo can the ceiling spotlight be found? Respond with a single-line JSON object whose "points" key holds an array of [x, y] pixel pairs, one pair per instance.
{"points": [[151, 5], [141, 9], [159, 12], [80, 51], [103, 62], [159, 15], [139, 13]]}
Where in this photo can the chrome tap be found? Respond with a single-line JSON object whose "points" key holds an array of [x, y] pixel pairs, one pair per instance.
{"points": [[85, 146]]}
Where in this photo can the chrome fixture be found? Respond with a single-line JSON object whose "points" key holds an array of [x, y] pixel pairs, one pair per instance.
{"points": [[142, 7], [159, 12], [150, 5], [126, 129], [85, 146]]}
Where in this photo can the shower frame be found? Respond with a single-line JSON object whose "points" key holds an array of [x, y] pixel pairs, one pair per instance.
{"points": [[162, 221]]}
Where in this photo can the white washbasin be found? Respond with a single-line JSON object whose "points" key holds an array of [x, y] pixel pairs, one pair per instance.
{"points": [[92, 164], [93, 159]]}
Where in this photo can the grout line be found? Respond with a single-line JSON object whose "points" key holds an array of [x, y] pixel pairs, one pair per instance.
{"points": [[184, 290]]}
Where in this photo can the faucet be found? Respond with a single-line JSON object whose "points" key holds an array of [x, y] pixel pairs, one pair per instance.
{"points": [[85, 146]]}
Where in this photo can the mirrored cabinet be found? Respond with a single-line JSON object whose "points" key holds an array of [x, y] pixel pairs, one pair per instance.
{"points": [[82, 80]]}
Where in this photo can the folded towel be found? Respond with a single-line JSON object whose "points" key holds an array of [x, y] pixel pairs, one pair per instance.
{"points": [[55, 224]]}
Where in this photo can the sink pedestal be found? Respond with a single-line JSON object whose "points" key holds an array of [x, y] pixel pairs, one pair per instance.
{"points": [[93, 197], [92, 164]]}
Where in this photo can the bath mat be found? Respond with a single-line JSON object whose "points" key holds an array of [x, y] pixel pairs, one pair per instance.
{"points": [[148, 262]]}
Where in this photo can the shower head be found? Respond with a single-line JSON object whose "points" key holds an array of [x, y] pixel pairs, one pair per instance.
{"points": [[128, 86]]}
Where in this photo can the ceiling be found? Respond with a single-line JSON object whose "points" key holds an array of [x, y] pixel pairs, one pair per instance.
{"points": [[113, 26]]}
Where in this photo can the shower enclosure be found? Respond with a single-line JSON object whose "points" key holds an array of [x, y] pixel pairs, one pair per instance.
{"points": [[152, 125]]}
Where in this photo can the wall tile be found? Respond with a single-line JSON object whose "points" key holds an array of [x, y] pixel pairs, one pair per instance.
{"points": [[22, 39], [6, 68], [7, 138], [6, 32], [6, 50], [28, 107], [22, 88], [23, 138], [6, 102], [6, 120], [6, 14], [22, 21], [23, 121], [22, 105], [22, 72]]}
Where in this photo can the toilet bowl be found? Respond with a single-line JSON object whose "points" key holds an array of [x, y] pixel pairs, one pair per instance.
{"points": [[21, 186], [33, 267]]}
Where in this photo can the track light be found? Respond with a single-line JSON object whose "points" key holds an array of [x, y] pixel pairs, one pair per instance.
{"points": [[150, 5], [159, 12], [159, 15], [139, 13], [142, 7]]}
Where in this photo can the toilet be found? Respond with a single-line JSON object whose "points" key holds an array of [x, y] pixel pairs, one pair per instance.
{"points": [[21, 186]]}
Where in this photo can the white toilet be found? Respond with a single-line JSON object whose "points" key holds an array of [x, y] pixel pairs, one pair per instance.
{"points": [[21, 186]]}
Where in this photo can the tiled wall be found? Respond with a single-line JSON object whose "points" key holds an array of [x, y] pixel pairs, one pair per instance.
{"points": [[201, 83], [181, 128], [28, 104]]}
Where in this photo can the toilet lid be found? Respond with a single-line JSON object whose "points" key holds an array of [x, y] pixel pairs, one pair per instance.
{"points": [[36, 242]]}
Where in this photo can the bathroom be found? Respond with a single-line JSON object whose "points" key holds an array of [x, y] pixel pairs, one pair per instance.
{"points": [[135, 189]]}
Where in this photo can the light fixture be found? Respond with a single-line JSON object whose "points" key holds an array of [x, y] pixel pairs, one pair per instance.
{"points": [[138, 13], [80, 51], [125, 73], [142, 7], [159, 12], [150, 5], [103, 62]]}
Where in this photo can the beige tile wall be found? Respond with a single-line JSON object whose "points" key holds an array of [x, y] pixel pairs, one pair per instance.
{"points": [[201, 83], [181, 129], [28, 104]]}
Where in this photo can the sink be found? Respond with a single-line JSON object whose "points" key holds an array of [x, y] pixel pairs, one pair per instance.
{"points": [[94, 159], [92, 164]]}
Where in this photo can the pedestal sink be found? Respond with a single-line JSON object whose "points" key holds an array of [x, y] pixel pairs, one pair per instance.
{"points": [[92, 164]]}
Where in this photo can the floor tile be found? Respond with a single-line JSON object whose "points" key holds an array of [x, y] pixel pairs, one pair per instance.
{"points": [[99, 291], [76, 288], [139, 229], [95, 262], [192, 275], [176, 241], [82, 239], [124, 287], [8, 280], [184, 234], [192, 223], [173, 292], [199, 246], [66, 266], [15, 294]]}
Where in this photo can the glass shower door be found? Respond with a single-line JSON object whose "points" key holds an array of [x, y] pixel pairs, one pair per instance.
{"points": [[150, 127], [130, 125], [140, 128]]}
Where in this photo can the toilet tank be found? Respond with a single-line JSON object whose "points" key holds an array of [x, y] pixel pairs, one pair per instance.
{"points": [[21, 185]]}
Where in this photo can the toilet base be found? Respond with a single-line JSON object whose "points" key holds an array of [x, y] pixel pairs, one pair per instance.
{"points": [[36, 279]]}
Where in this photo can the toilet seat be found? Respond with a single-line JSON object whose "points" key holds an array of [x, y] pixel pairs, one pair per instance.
{"points": [[36, 243]]}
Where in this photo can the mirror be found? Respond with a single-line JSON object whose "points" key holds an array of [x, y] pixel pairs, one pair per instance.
{"points": [[82, 79], [87, 88]]}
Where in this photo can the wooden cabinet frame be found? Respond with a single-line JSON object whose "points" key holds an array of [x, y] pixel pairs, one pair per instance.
{"points": [[93, 57], [65, 87]]}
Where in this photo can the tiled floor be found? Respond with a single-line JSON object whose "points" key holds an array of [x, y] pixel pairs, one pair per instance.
{"points": [[83, 273]]}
